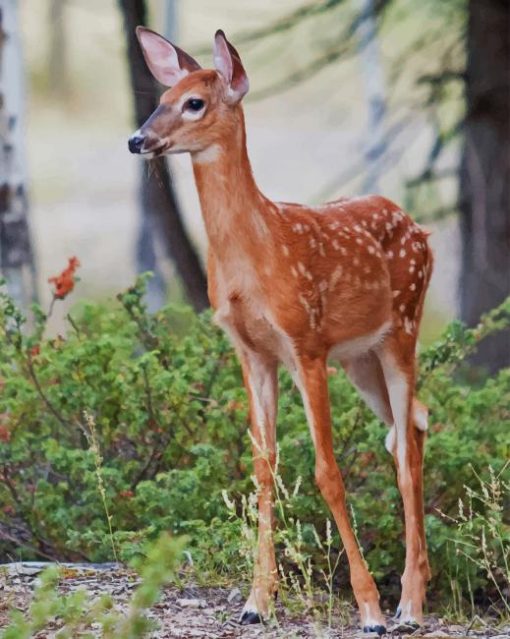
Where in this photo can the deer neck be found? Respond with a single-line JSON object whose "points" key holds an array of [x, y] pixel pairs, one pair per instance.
{"points": [[235, 212]]}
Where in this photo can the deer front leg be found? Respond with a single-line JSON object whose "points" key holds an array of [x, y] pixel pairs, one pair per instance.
{"points": [[312, 381], [260, 378]]}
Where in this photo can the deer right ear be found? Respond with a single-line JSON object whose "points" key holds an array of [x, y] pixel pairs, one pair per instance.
{"points": [[167, 63], [228, 63]]}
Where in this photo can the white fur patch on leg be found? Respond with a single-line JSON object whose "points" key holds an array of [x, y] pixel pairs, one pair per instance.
{"points": [[420, 415], [406, 615], [370, 619], [398, 389], [389, 442]]}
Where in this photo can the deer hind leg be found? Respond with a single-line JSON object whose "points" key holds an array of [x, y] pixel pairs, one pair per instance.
{"points": [[406, 443], [260, 378], [311, 378], [366, 375]]}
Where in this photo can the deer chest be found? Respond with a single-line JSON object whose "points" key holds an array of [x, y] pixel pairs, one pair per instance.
{"points": [[248, 326]]}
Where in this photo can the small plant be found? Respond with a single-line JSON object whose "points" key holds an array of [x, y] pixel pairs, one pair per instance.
{"points": [[482, 541], [94, 447]]}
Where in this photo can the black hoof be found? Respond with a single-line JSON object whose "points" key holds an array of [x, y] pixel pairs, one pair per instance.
{"points": [[249, 617], [380, 630]]}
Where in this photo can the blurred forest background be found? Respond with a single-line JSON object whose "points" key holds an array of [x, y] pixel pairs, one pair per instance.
{"points": [[406, 98]]}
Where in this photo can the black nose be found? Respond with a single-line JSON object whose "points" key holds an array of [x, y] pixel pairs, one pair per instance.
{"points": [[135, 143]]}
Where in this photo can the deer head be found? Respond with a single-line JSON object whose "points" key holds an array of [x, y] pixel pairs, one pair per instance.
{"points": [[197, 110]]}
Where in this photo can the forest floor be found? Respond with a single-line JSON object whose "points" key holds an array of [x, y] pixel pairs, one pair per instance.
{"points": [[207, 612]]}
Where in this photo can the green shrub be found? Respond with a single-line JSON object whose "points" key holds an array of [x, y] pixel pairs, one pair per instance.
{"points": [[166, 398]]}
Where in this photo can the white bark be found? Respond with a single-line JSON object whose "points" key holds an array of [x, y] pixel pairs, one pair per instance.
{"points": [[16, 260]]}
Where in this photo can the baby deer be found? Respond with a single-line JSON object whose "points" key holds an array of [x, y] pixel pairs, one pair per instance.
{"points": [[296, 285]]}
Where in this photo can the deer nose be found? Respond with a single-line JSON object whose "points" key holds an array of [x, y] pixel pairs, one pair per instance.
{"points": [[135, 143]]}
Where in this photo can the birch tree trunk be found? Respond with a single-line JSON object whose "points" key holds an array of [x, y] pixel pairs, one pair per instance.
{"points": [[16, 257]]}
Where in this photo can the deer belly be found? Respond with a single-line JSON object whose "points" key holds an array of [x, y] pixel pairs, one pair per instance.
{"points": [[360, 345]]}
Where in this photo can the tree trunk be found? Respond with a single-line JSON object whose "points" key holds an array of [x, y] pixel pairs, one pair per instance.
{"points": [[16, 257], [160, 212], [485, 173], [58, 71], [372, 74]]}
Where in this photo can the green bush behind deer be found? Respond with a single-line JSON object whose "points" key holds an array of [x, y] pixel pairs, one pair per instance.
{"points": [[165, 398]]}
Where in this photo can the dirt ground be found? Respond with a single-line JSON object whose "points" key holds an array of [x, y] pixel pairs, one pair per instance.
{"points": [[208, 613]]}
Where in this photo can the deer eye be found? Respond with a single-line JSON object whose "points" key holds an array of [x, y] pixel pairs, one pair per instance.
{"points": [[194, 104]]}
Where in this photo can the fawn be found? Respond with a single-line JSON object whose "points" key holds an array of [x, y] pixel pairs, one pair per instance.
{"points": [[296, 285]]}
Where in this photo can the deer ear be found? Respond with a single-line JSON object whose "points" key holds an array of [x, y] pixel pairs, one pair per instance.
{"points": [[228, 63], [167, 63]]}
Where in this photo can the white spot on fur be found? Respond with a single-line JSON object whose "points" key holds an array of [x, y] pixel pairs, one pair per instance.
{"points": [[335, 276], [408, 325]]}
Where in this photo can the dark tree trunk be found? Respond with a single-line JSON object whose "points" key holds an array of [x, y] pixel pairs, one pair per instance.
{"points": [[16, 257], [485, 173], [161, 217]]}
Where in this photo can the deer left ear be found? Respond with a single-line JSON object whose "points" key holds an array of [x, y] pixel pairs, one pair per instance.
{"points": [[167, 63], [228, 63]]}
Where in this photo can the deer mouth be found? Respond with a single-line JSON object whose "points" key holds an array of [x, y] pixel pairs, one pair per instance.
{"points": [[157, 150]]}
